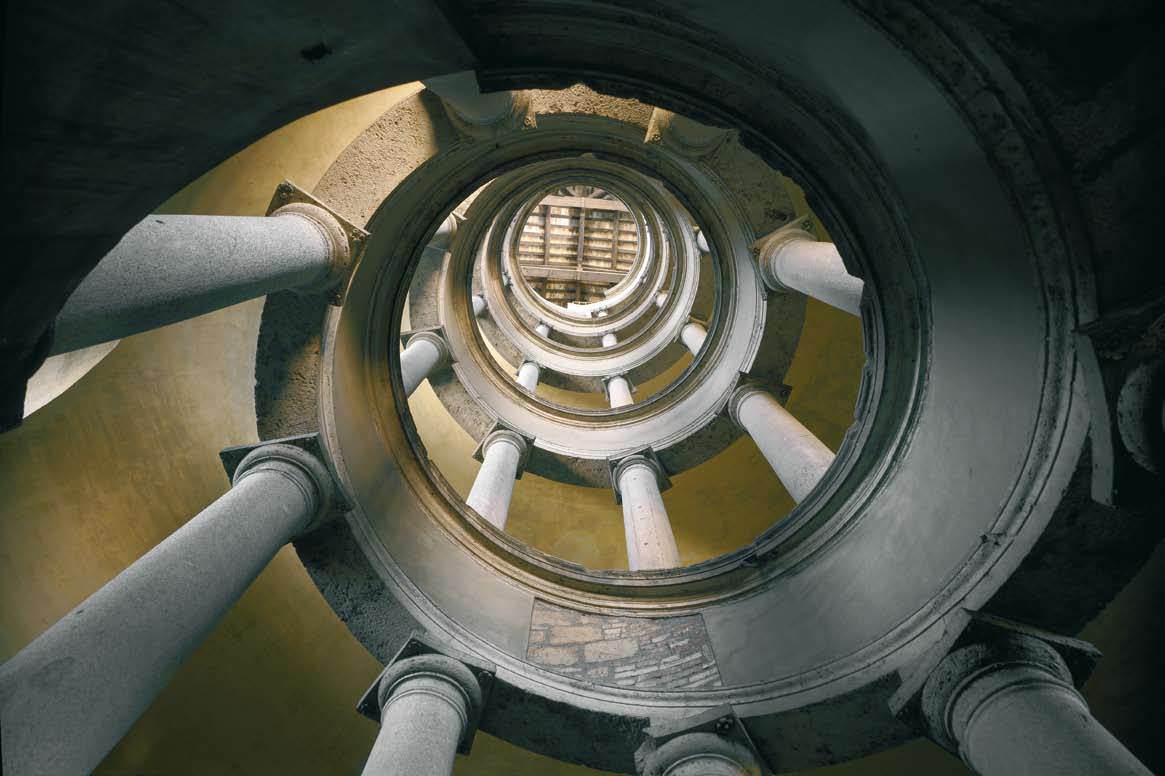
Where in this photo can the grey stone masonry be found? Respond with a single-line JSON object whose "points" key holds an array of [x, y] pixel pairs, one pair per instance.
{"points": [[660, 653]]}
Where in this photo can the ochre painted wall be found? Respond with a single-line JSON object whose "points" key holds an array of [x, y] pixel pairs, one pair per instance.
{"points": [[102, 474]]}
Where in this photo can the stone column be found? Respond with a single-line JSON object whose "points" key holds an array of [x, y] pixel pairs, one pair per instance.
{"points": [[798, 458], [479, 305], [702, 754], [543, 330], [693, 335], [619, 392], [423, 353], [68, 697], [650, 542], [793, 258], [171, 268], [610, 340], [660, 298], [502, 453], [428, 706], [528, 374], [1008, 706]]}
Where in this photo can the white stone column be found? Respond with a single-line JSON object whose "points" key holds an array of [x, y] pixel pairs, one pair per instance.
{"points": [[428, 706], [528, 374], [610, 340], [661, 298], [798, 458], [702, 754], [423, 353], [650, 542], [793, 258], [619, 392], [693, 335], [502, 453], [1008, 706], [171, 268], [68, 697], [479, 305], [543, 330]]}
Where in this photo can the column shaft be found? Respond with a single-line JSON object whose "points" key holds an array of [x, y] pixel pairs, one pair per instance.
{"points": [[798, 458], [1040, 727], [494, 485], [610, 340], [814, 268], [422, 355], [479, 305], [170, 268], [619, 392], [650, 542], [419, 730], [543, 330], [693, 336], [69, 696], [528, 374]]}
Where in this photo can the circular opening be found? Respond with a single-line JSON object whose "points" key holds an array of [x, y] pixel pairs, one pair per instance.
{"points": [[576, 246], [533, 379]]}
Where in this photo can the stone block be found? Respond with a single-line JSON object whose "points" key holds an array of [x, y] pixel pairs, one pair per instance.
{"points": [[554, 656], [615, 649]]}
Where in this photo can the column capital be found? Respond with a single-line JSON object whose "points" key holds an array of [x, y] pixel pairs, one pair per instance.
{"points": [[607, 382], [977, 672], [713, 742], [645, 458], [768, 247], [739, 394], [461, 680], [501, 434], [435, 339], [346, 241], [303, 468]]}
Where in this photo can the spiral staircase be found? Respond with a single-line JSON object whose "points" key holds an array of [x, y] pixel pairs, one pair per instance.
{"points": [[592, 271]]}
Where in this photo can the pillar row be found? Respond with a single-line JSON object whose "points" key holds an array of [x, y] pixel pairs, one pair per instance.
{"points": [[651, 544], [793, 258], [798, 458], [69, 696], [1008, 706], [170, 268], [503, 454], [423, 354], [428, 706]]}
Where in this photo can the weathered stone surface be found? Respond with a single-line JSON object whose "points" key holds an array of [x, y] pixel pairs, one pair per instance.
{"points": [[658, 653]]}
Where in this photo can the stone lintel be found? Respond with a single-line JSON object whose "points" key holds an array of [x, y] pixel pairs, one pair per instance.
{"points": [[418, 644], [287, 193]]}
